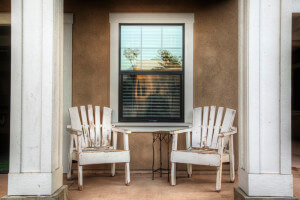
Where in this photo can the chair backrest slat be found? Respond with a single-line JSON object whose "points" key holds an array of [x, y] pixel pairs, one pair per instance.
{"points": [[86, 140], [211, 125], [227, 122], [75, 119], [106, 127], [92, 126], [214, 143], [75, 122], [196, 132], [97, 124], [204, 126]]}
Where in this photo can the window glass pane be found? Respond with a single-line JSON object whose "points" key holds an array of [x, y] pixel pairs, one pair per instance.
{"points": [[130, 58], [172, 37], [151, 47], [151, 36], [131, 37], [151, 97]]}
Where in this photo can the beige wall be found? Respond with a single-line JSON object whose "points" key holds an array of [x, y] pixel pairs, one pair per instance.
{"points": [[215, 56]]}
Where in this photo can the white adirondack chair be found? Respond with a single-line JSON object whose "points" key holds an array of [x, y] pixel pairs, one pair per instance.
{"points": [[209, 142], [89, 146]]}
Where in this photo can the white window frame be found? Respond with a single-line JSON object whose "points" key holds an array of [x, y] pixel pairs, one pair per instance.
{"points": [[152, 18]]}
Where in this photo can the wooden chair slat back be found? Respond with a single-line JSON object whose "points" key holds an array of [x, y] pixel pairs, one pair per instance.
{"points": [[86, 138], [228, 122], [91, 126], [196, 131], [75, 119], [106, 127], [98, 126], [211, 125], [204, 127], [214, 142]]}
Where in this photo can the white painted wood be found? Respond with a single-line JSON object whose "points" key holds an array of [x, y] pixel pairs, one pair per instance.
{"points": [[75, 119], [188, 140], [115, 143], [92, 153], [173, 174], [278, 185], [36, 112], [92, 126], [211, 125], [220, 166], [227, 123], [98, 126], [195, 158], [174, 18], [189, 170], [106, 127], [210, 131], [174, 142], [265, 99], [109, 156], [197, 122], [204, 127], [285, 86], [86, 138], [16, 89], [80, 178], [214, 143], [70, 156], [127, 173], [231, 157], [67, 88], [32, 87], [295, 8]]}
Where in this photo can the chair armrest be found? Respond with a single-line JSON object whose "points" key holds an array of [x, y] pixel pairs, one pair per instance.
{"points": [[73, 131], [181, 131], [120, 130], [231, 132]]}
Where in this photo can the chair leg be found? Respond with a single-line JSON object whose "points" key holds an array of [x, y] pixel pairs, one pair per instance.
{"points": [[232, 172], [80, 182], [113, 169], [231, 160], [173, 174], [219, 178], [127, 174], [189, 170], [69, 174]]}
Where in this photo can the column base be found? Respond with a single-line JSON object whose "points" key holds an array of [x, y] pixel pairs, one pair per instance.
{"points": [[241, 195], [60, 194]]}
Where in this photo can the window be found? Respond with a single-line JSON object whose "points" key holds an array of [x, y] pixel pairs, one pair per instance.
{"points": [[151, 68], [151, 73]]}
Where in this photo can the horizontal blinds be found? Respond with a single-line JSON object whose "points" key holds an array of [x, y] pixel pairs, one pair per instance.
{"points": [[151, 97], [151, 47]]}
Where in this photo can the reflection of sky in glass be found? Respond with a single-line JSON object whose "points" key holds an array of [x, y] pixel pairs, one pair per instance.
{"points": [[148, 40]]}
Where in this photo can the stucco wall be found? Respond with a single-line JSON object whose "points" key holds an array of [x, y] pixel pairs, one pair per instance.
{"points": [[215, 57]]}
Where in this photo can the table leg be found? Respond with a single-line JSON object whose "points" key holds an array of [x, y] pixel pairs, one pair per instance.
{"points": [[168, 158], [160, 154], [153, 155]]}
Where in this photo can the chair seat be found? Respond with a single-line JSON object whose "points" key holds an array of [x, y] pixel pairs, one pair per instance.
{"points": [[197, 157], [104, 156]]}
